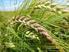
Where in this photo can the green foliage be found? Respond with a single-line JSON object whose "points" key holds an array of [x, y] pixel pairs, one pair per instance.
{"points": [[22, 38]]}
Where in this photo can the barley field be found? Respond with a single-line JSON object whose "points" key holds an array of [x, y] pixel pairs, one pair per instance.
{"points": [[34, 26]]}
